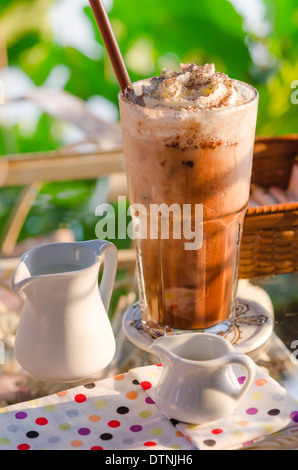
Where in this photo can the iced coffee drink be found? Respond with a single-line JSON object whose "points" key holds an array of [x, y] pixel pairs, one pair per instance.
{"points": [[188, 141]]}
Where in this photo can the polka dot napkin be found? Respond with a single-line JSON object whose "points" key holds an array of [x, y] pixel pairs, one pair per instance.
{"points": [[111, 414], [119, 413], [266, 409]]}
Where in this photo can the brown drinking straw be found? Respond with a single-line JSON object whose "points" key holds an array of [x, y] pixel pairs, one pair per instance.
{"points": [[111, 44]]}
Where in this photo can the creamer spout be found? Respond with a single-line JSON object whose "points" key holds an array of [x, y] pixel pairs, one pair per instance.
{"points": [[21, 278], [159, 348]]}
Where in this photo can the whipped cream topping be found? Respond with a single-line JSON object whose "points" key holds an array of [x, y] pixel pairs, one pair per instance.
{"points": [[192, 87]]}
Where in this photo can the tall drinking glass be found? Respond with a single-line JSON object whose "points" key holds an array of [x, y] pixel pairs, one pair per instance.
{"points": [[191, 169]]}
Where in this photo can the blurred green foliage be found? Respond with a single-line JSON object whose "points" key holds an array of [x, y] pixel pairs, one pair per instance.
{"points": [[152, 34]]}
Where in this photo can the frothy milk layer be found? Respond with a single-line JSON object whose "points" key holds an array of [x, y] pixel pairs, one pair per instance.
{"points": [[195, 107], [198, 156], [192, 87]]}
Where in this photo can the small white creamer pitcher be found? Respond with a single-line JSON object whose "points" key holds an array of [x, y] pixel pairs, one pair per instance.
{"points": [[198, 383], [64, 334]]}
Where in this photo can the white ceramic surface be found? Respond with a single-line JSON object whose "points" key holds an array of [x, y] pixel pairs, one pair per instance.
{"points": [[64, 334], [198, 384]]}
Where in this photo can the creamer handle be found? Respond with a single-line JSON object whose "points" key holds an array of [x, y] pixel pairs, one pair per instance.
{"points": [[109, 253], [248, 364]]}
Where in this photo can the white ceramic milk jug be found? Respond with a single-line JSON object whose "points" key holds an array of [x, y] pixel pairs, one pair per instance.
{"points": [[198, 383], [64, 334]]}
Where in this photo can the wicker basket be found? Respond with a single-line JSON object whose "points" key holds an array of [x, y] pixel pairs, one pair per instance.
{"points": [[270, 235]]}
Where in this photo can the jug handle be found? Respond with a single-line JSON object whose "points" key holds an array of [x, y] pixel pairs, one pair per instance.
{"points": [[247, 363], [109, 252]]}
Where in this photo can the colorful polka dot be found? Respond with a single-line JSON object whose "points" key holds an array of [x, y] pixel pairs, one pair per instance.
{"points": [[217, 431], [96, 448], [62, 393], [132, 395], [145, 414], [268, 427], [252, 411], [149, 401], [21, 415], [100, 404], [64, 426], [94, 418], [23, 447], [128, 440], [146, 385], [13, 428], [294, 416], [241, 379], [76, 443], [4, 441], [243, 424], [41, 421], [80, 398], [32, 434], [32, 402], [114, 423], [278, 397], [122, 410], [248, 443], [106, 436], [153, 373], [119, 377], [209, 442], [273, 412], [149, 444], [90, 386], [136, 428], [84, 431], [157, 432], [72, 413], [261, 382], [50, 408], [256, 396]]}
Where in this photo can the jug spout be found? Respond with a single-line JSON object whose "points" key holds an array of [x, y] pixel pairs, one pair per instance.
{"points": [[160, 348], [21, 278]]}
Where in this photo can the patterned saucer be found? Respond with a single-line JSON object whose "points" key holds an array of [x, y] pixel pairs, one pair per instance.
{"points": [[251, 329]]}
